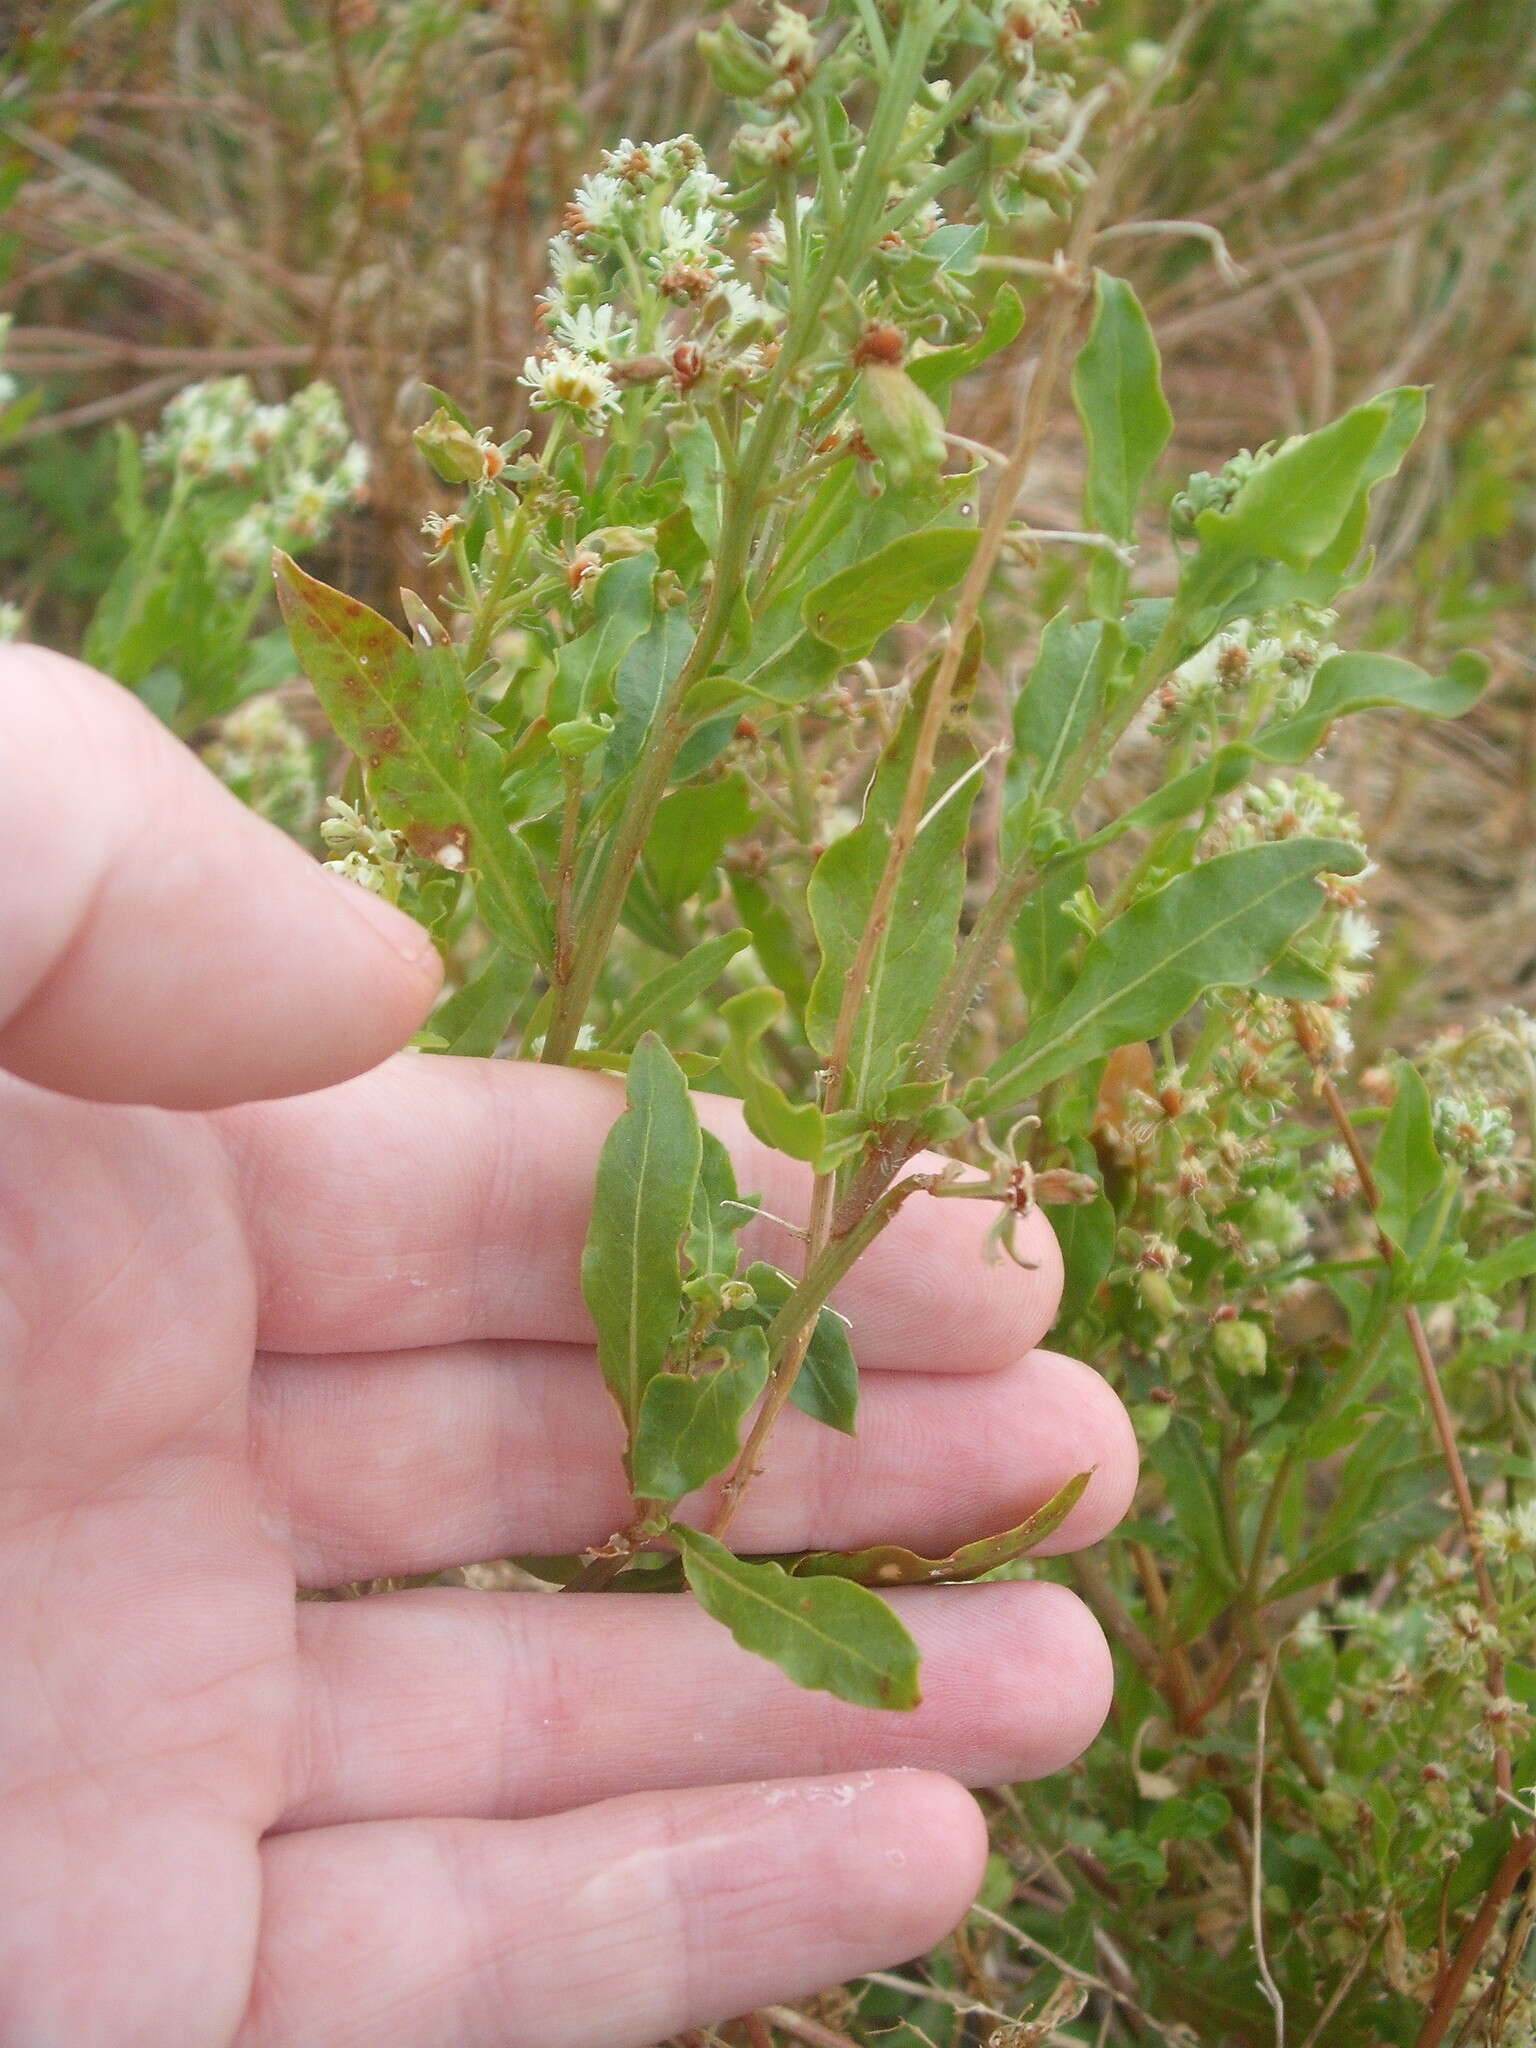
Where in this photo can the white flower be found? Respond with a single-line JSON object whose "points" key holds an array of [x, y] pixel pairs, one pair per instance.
{"points": [[688, 238], [594, 331], [1356, 937], [562, 377], [791, 39], [744, 308], [599, 200]]}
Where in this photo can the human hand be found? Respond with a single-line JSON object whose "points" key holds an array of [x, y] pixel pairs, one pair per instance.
{"points": [[303, 1341]]}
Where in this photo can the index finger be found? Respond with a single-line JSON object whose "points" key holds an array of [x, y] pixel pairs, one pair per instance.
{"points": [[438, 1200]]}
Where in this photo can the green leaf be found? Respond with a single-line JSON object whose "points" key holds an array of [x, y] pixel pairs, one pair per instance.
{"points": [[631, 1273], [935, 372], [798, 1128], [852, 609], [1411, 1177], [1085, 1231], [689, 833], [719, 1214], [1364, 682], [887, 1564], [476, 1018], [690, 1429], [431, 772], [1064, 693], [1511, 1262], [1290, 509], [662, 999], [774, 939], [826, 1634], [621, 612], [827, 1385], [1220, 926], [642, 679], [1117, 389], [918, 945]]}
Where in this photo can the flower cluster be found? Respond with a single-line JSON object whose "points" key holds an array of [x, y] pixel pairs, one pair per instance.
{"points": [[1255, 668], [267, 761], [643, 286], [294, 464], [373, 859]]}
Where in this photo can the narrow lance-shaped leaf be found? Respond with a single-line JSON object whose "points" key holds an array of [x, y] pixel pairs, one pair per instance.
{"points": [[719, 1214], [690, 1428], [826, 1634], [1064, 693], [827, 1385], [1411, 1177], [631, 1269], [1220, 926], [888, 1564], [661, 1000], [621, 611], [1117, 389], [476, 1018], [918, 944]]}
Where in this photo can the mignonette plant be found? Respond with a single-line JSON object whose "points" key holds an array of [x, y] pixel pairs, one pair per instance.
{"points": [[750, 740], [737, 573]]}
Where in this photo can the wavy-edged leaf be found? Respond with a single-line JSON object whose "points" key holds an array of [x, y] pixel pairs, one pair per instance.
{"points": [[690, 1429], [1118, 391], [1348, 683], [828, 1635], [631, 1270], [798, 1128], [1220, 926], [689, 833], [888, 1564], [662, 999]]}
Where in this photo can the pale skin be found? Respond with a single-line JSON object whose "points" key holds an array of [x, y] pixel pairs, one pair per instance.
{"points": [[280, 1310]]}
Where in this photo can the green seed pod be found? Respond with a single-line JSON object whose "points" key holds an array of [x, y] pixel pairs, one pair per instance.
{"points": [[1158, 1295], [1241, 1348], [900, 422], [451, 449], [736, 63]]}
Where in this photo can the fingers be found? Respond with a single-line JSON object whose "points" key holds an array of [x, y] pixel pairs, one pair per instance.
{"points": [[380, 1468], [510, 1705], [173, 947], [611, 1927], [439, 1200]]}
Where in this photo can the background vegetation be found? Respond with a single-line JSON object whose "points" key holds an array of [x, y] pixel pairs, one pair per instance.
{"points": [[1310, 1817]]}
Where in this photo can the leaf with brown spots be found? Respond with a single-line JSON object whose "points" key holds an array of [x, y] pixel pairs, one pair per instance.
{"points": [[432, 773], [887, 1564]]}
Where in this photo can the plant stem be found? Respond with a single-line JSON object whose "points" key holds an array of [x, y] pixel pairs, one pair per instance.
{"points": [[789, 1334], [1454, 1979]]}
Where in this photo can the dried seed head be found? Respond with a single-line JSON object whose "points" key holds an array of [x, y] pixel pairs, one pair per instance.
{"points": [[880, 343]]}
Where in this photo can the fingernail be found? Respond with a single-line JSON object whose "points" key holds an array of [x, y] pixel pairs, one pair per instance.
{"points": [[406, 939]]}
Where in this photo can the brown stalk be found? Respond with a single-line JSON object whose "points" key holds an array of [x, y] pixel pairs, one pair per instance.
{"points": [[1454, 1980]]}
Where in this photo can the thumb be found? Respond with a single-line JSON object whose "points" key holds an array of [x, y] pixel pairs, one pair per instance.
{"points": [[159, 942]]}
